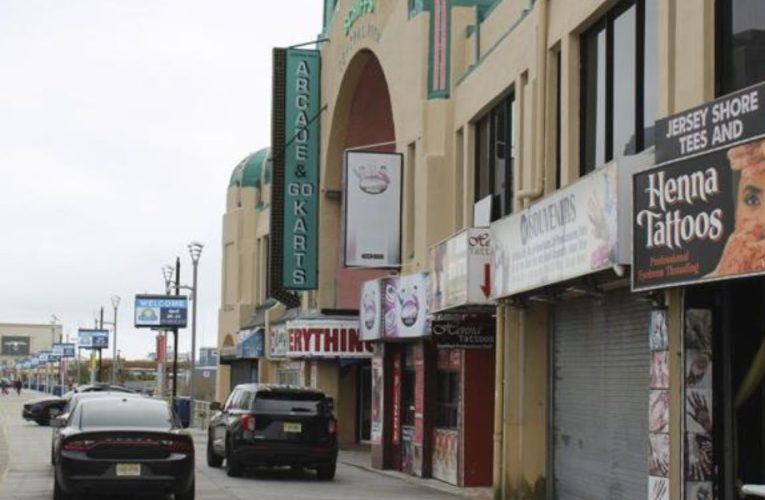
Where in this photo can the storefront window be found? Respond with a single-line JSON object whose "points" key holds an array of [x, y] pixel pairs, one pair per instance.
{"points": [[619, 83], [494, 157], [447, 404], [741, 44]]}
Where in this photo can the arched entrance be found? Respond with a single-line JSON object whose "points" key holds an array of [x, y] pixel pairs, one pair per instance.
{"points": [[362, 118]]}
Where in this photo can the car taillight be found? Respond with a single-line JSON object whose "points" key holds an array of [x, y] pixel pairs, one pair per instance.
{"points": [[332, 428], [177, 446], [247, 421], [79, 445]]}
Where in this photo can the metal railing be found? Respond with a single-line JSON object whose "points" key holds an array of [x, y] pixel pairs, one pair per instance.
{"points": [[200, 414]]}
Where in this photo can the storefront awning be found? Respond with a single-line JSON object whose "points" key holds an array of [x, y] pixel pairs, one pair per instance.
{"points": [[249, 345]]}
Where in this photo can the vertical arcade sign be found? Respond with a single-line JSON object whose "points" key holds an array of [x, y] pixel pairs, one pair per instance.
{"points": [[301, 170], [295, 151]]}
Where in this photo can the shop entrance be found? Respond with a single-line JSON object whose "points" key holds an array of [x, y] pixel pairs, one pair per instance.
{"points": [[725, 368], [365, 402]]}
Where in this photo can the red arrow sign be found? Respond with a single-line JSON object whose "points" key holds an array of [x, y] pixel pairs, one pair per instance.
{"points": [[486, 287]]}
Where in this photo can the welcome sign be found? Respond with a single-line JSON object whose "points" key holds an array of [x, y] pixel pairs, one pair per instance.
{"points": [[700, 216]]}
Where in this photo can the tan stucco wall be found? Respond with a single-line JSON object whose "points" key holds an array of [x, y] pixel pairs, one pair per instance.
{"points": [[39, 336]]}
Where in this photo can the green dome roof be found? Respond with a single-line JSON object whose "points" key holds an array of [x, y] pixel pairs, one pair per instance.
{"points": [[249, 172]]}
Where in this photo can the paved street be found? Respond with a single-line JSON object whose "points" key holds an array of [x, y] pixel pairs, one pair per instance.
{"points": [[25, 472]]}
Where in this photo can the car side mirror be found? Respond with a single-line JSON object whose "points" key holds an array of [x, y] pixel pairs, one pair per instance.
{"points": [[57, 423], [215, 406]]}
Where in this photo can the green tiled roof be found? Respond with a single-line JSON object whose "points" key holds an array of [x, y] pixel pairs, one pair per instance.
{"points": [[249, 172]]}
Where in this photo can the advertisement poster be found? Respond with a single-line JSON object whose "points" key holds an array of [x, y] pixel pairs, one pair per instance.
{"points": [[446, 455], [698, 216], [371, 310], [699, 403], [377, 400], [161, 311], [405, 306], [396, 414], [280, 341], [372, 209], [13, 345], [93, 339], [570, 233], [460, 270]]}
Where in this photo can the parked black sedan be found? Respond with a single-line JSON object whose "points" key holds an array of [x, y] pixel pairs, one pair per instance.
{"points": [[123, 445], [272, 425], [42, 410]]}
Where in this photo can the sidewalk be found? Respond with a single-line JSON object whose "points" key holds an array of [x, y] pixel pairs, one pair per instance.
{"points": [[359, 456]]}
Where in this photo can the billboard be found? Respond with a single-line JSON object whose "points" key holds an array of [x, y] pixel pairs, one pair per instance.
{"points": [[697, 217], [63, 350], [161, 311], [14, 345], [93, 339], [372, 204]]}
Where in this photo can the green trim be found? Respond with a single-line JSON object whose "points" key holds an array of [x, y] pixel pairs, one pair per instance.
{"points": [[491, 49], [417, 7]]}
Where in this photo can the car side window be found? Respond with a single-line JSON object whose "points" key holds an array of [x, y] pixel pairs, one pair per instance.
{"points": [[245, 401], [230, 401]]}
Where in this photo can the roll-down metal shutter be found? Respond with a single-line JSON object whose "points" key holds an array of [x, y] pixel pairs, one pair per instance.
{"points": [[600, 397]]}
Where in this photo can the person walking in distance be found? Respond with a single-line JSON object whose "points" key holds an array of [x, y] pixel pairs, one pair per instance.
{"points": [[4, 386], [18, 384]]}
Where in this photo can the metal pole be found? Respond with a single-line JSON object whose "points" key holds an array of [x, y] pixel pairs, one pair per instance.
{"points": [[79, 362], [101, 327], [115, 303], [193, 330], [175, 331]]}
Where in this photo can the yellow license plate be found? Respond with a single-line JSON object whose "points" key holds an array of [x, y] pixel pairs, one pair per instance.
{"points": [[128, 469], [293, 427]]}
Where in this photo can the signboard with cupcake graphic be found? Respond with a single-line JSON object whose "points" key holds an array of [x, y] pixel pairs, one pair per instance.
{"points": [[395, 307], [699, 216]]}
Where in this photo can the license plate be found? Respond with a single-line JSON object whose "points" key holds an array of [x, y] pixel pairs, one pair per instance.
{"points": [[128, 469], [293, 427]]}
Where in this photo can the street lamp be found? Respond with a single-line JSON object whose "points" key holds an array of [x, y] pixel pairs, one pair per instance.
{"points": [[115, 305], [167, 273], [53, 319], [195, 250]]}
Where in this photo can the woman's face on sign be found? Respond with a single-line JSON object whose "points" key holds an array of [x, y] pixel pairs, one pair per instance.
{"points": [[750, 209]]}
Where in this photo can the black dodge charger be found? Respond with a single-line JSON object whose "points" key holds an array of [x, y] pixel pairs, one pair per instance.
{"points": [[123, 445]]}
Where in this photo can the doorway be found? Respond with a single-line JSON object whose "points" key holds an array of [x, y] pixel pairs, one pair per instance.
{"points": [[365, 403]]}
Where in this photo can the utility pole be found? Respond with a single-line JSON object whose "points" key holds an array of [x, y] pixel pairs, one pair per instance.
{"points": [[115, 304], [175, 331]]}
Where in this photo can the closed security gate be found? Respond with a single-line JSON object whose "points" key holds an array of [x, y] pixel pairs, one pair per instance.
{"points": [[600, 397]]}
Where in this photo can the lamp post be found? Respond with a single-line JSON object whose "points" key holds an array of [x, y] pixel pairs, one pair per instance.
{"points": [[167, 274], [115, 305], [53, 319], [195, 250]]}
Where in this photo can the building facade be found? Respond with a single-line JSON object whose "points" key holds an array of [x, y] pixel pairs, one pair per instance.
{"points": [[544, 129], [20, 340]]}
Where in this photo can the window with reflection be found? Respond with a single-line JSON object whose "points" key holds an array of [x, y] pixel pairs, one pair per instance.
{"points": [[741, 44], [619, 83], [495, 157]]}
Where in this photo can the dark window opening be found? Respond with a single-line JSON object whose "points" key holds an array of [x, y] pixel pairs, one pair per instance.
{"points": [[407, 396], [619, 83], [495, 157], [448, 399], [740, 44]]}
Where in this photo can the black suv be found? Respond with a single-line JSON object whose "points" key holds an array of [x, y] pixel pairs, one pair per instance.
{"points": [[274, 425]]}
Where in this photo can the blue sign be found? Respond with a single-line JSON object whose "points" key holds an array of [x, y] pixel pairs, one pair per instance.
{"points": [[161, 311], [44, 357], [93, 339], [63, 350], [250, 344]]}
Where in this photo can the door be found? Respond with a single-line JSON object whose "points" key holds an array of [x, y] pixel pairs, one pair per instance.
{"points": [[601, 362], [365, 402]]}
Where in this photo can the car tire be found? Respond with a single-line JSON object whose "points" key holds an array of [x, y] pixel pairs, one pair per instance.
{"points": [[326, 472], [58, 493], [188, 494], [213, 460], [233, 466]]}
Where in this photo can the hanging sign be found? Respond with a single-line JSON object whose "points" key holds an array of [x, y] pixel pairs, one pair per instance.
{"points": [[395, 307], [477, 332], [161, 311], [301, 170], [698, 217], [372, 205], [460, 270]]}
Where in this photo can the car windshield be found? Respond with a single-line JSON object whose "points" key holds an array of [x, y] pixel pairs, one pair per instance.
{"points": [[288, 401], [132, 412]]}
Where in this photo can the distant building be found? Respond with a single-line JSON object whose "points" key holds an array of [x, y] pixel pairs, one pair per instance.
{"points": [[20, 340]]}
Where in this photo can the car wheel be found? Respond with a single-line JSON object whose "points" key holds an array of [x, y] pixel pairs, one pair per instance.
{"points": [[213, 460], [326, 472], [58, 493], [188, 494], [233, 466]]}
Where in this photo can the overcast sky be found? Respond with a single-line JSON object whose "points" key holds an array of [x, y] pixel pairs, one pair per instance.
{"points": [[120, 123]]}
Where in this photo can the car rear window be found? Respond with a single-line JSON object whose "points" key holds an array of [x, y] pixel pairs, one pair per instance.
{"points": [[280, 402], [100, 413]]}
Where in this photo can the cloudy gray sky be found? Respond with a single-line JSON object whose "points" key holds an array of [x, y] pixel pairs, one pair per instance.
{"points": [[120, 123]]}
